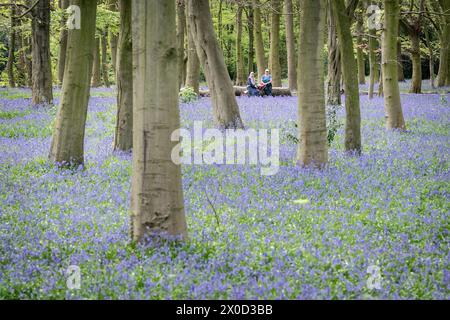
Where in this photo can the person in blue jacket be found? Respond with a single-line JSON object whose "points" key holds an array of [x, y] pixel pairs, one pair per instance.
{"points": [[267, 81], [251, 86]]}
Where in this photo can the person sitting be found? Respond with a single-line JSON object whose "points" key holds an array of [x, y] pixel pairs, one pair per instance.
{"points": [[267, 82], [251, 86]]}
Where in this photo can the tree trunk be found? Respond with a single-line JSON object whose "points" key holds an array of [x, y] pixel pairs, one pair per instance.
{"points": [[193, 62], [240, 69], [21, 63], [401, 75], [372, 61], [290, 45], [416, 84], [113, 38], [251, 39], [181, 29], [26, 47], [431, 58], [334, 62], [313, 148], [275, 43], [42, 69], [96, 72], [157, 204], [11, 49], [225, 107], [67, 146], [259, 44], [123, 138], [352, 104], [392, 102], [359, 51], [63, 4], [105, 64], [444, 63]]}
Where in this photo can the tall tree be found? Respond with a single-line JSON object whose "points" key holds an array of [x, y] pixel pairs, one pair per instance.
{"points": [[251, 38], [359, 50], [412, 23], [373, 60], [68, 136], [42, 91], [275, 43], [63, 4], [123, 138], [401, 73], [96, 69], [290, 44], [352, 103], [105, 64], [334, 61], [392, 102], [225, 107], [259, 44], [181, 30], [313, 148], [12, 47], [113, 38], [444, 36], [156, 193], [240, 69], [193, 62]]}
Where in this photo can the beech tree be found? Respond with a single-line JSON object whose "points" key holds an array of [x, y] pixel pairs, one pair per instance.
{"points": [[156, 193], [240, 68], [193, 62], [392, 102], [274, 59], [313, 148], [68, 135], [290, 44], [352, 104], [42, 90], [123, 138], [225, 107], [259, 44], [334, 61], [63, 4], [412, 24]]}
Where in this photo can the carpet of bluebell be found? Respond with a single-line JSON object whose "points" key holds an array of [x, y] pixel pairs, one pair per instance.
{"points": [[301, 234]]}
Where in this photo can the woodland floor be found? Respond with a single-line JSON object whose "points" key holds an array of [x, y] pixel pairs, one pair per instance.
{"points": [[388, 208]]}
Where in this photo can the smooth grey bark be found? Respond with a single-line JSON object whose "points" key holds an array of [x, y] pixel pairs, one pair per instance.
{"points": [[251, 39], [359, 50], [259, 44], [240, 71], [352, 103], [392, 102], [181, 30], [274, 59], [11, 48], [193, 62], [334, 61], [290, 45], [67, 147], [105, 64], [225, 107], [63, 4], [42, 89], [157, 204], [96, 69], [313, 146], [123, 138]]}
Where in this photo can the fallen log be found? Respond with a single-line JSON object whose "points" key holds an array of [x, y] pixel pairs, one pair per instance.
{"points": [[241, 91]]}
